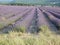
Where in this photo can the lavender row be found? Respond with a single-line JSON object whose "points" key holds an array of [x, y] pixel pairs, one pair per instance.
{"points": [[54, 9], [33, 26], [53, 19], [12, 21], [52, 12], [55, 14], [44, 21], [10, 12], [23, 25]]}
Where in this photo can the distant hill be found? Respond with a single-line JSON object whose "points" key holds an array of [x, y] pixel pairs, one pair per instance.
{"points": [[5, 1], [34, 2]]}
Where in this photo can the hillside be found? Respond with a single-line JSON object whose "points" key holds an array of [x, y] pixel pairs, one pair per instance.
{"points": [[32, 2]]}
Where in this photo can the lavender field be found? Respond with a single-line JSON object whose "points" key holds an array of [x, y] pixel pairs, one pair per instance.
{"points": [[29, 18], [29, 25]]}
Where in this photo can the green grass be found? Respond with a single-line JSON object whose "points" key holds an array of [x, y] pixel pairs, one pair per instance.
{"points": [[1, 25], [45, 37], [19, 29]]}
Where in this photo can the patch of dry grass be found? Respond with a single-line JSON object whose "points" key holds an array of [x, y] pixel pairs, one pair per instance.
{"points": [[45, 37]]}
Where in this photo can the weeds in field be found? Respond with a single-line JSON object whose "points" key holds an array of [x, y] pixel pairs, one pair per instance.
{"points": [[1, 25], [19, 29]]}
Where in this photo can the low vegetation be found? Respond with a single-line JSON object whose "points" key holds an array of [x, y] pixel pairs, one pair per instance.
{"points": [[45, 37]]}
